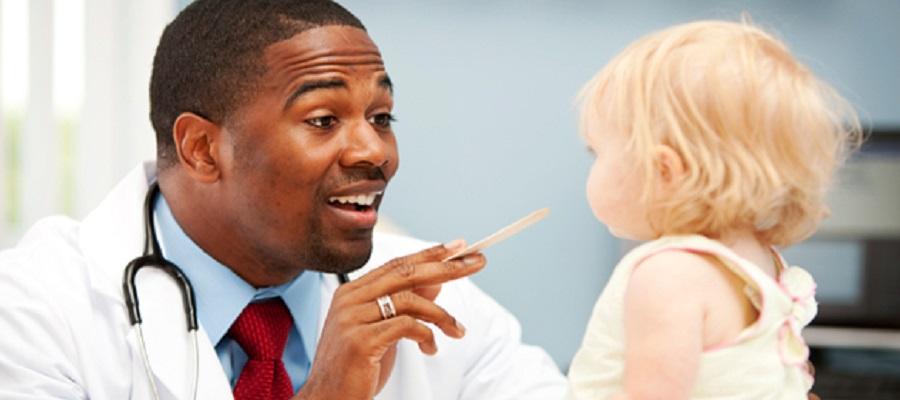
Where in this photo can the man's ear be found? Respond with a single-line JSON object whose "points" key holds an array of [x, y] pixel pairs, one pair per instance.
{"points": [[669, 165], [198, 144]]}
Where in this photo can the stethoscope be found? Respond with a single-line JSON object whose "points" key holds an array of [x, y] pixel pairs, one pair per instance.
{"points": [[152, 257]]}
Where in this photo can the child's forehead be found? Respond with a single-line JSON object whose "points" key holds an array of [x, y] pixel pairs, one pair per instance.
{"points": [[600, 133], [591, 127], [598, 115]]}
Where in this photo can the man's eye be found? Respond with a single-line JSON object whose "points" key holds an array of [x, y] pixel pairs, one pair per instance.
{"points": [[382, 120], [322, 122]]}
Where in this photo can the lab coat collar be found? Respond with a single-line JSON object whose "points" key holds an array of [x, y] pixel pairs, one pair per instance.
{"points": [[112, 234]]}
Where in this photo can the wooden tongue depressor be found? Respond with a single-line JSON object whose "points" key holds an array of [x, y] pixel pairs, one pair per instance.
{"points": [[502, 234]]}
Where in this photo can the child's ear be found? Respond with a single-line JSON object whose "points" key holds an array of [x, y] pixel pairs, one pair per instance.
{"points": [[669, 165]]}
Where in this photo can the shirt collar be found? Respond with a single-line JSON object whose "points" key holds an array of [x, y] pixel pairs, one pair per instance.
{"points": [[221, 294]]}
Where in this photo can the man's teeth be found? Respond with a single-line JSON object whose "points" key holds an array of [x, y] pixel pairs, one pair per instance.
{"points": [[360, 199]]}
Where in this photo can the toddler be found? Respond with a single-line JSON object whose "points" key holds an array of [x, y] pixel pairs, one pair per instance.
{"points": [[715, 145]]}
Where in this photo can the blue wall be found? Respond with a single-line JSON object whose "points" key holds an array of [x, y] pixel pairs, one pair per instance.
{"points": [[487, 126]]}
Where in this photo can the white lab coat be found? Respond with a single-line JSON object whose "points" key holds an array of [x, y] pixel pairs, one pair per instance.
{"points": [[64, 330]]}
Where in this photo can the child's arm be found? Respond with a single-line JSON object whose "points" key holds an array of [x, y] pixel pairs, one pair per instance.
{"points": [[665, 310]]}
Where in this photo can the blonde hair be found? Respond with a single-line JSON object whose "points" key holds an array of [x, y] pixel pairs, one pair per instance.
{"points": [[759, 135]]}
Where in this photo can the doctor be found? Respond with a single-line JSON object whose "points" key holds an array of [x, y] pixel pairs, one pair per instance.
{"points": [[275, 146]]}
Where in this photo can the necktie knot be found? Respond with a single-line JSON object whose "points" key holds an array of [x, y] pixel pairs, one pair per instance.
{"points": [[262, 330]]}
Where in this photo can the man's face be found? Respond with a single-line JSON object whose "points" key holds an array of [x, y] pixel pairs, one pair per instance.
{"points": [[312, 152]]}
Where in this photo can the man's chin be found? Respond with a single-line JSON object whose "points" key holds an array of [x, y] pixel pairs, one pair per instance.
{"points": [[345, 259]]}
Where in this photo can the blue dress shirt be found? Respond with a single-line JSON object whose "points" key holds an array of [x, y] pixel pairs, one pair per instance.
{"points": [[222, 295]]}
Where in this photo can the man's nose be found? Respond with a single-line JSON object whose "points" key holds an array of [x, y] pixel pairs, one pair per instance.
{"points": [[367, 147]]}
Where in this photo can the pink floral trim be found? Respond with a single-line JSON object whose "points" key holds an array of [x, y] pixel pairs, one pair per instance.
{"points": [[810, 291], [801, 288], [810, 379], [802, 297], [790, 331]]}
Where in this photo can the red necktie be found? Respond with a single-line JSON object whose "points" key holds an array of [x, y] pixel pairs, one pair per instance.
{"points": [[262, 330]]}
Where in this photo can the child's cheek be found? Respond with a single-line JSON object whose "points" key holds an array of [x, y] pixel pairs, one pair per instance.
{"points": [[595, 191]]}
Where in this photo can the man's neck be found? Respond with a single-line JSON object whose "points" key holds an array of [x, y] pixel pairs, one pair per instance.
{"points": [[218, 238]]}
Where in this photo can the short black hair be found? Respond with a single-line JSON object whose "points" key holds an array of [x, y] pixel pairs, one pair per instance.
{"points": [[209, 58]]}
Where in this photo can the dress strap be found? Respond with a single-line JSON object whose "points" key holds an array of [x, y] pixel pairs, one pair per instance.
{"points": [[756, 281]]}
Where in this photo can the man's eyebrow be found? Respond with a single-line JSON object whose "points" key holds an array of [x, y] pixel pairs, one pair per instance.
{"points": [[310, 86], [386, 83]]}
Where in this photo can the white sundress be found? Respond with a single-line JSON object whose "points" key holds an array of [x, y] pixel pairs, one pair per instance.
{"points": [[768, 359]]}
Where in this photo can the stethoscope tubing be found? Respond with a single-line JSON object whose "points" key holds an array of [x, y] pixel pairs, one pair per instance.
{"points": [[152, 257]]}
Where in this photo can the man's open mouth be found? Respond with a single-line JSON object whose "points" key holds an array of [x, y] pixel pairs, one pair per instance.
{"points": [[359, 202]]}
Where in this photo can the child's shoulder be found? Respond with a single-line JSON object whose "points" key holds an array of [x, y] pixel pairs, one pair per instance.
{"points": [[674, 263], [678, 267], [676, 254]]}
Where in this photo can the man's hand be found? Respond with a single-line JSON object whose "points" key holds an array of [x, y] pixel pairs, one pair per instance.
{"points": [[357, 348]]}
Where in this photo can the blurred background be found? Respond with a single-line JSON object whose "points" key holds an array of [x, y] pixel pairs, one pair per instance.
{"points": [[487, 132]]}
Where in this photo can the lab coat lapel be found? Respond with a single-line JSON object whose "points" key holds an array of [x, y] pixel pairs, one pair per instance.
{"points": [[212, 384], [170, 348]]}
